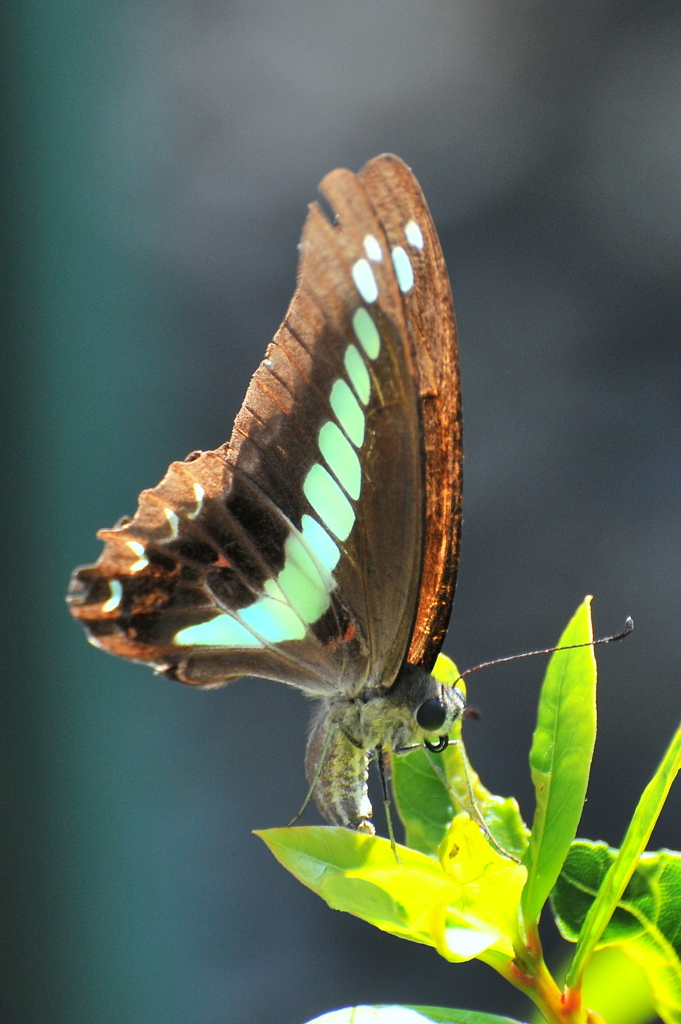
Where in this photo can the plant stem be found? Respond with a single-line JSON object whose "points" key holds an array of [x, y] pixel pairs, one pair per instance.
{"points": [[529, 973]]}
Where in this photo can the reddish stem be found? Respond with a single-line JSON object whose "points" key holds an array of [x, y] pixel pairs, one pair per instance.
{"points": [[529, 973]]}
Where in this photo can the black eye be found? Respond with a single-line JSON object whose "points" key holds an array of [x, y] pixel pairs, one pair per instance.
{"points": [[431, 715]]}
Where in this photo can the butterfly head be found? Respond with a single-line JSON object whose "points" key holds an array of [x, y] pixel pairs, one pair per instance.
{"points": [[432, 707], [417, 707]]}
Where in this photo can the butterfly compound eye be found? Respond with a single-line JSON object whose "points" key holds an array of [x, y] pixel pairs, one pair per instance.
{"points": [[431, 715]]}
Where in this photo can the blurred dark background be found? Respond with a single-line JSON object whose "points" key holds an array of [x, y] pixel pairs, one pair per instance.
{"points": [[157, 161]]}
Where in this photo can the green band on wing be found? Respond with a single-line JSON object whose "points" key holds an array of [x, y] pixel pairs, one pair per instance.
{"points": [[367, 332], [272, 589], [348, 412], [321, 544], [301, 583], [273, 620], [329, 502], [358, 373], [297, 597], [341, 458], [222, 631]]}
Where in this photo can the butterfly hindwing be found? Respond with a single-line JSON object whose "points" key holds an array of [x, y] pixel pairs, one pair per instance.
{"points": [[295, 551], [189, 585]]}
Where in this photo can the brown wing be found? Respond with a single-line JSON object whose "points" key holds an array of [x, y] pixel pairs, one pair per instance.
{"points": [[379, 568], [399, 202], [295, 550]]}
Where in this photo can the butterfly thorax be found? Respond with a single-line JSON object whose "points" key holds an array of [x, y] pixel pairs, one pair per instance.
{"points": [[347, 731]]}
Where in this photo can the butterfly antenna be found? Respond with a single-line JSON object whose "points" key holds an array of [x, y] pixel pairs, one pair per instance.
{"points": [[628, 627]]}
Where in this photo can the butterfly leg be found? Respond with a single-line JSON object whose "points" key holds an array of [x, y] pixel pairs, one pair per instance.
{"points": [[338, 771], [382, 763], [318, 771]]}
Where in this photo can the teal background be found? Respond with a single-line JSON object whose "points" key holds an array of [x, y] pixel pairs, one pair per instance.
{"points": [[157, 159]]}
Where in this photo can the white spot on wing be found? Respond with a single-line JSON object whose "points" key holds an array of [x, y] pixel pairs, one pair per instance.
{"points": [[198, 494], [403, 269], [372, 248], [173, 521], [116, 591], [364, 279], [413, 234], [138, 549]]}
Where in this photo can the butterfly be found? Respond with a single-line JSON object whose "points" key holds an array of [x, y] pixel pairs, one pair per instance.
{"points": [[319, 545]]}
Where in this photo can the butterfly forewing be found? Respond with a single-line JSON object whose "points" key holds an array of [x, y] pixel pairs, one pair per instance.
{"points": [[295, 551], [401, 206]]}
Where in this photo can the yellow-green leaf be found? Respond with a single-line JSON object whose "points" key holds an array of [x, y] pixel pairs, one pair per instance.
{"points": [[560, 758], [464, 904], [622, 867], [617, 988]]}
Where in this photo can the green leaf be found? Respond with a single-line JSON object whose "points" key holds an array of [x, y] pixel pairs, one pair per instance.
{"points": [[407, 1015], [430, 789], [646, 922], [422, 799], [620, 871], [560, 758], [464, 904]]}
